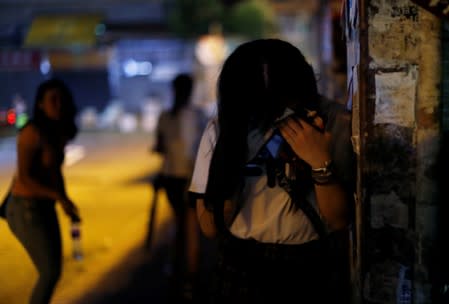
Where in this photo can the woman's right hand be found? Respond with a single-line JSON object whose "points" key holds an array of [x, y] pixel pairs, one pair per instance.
{"points": [[70, 209], [307, 142]]}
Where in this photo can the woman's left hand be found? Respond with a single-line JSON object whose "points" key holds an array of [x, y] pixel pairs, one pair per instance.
{"points": [[70, 209], [308, 143]]}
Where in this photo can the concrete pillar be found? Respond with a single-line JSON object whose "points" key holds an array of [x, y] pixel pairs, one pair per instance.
{"points": [[394, 64]]}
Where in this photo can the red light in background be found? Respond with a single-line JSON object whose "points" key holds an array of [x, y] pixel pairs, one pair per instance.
{"points": [[11, 117]]}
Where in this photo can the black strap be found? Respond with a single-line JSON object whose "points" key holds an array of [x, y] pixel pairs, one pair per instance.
{"points": [[291, 187], [310, 212], [275, 171]]}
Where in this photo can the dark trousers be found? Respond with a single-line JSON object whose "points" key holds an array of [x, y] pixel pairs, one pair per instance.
{"points": [[176, 191], [35, 224]]}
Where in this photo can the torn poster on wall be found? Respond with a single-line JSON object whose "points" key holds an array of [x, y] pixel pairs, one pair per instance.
{"points": [[439, 8], [396, 97]]}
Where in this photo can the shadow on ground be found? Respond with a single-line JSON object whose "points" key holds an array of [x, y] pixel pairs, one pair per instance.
{"points": [[144, 275]]}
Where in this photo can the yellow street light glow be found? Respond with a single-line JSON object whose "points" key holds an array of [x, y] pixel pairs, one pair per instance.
{"points": [[211, 50]]}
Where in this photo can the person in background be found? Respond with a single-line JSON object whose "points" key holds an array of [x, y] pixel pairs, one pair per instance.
{"points": [[39, 183], [273, 179], [178, 133]]}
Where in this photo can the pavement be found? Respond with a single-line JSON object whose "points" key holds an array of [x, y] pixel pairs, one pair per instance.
{"points": [[108, 176], [143, 276]]}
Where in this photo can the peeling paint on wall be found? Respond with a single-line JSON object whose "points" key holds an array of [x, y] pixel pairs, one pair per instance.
{"points": [[382, 283], [426, 170], [439, 8], [404, 288], [399, 147], [396, 97], [388, 209], [390, 272], [425, 221], [392, 28], [392, 161]]}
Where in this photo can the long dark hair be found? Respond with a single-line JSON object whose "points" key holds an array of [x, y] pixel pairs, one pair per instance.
{"points": [[65, 127], [258, 81]]}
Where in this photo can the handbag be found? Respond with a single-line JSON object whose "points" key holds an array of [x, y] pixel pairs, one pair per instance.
{"points": [[4, 202], [3, 205]]}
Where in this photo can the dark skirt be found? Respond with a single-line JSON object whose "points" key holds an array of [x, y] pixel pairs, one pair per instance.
{"points": [[248, 271]]}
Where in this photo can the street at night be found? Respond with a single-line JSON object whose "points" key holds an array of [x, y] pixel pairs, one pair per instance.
{"points": [[207, 101], [107, 174]]}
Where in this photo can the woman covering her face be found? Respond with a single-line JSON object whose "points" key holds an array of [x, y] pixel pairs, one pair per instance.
{"points": [[276, 154], [39, 184]]}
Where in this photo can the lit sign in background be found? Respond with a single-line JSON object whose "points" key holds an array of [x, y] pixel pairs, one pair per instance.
{"points": [[63, 31]]}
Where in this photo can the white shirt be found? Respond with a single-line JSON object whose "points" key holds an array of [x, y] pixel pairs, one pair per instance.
{"points": [[268, 214], [180, 136]]}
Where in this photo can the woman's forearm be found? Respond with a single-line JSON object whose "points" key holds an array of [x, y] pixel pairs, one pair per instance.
{"points": [[205, 219], [61, 184], [333, 205]]}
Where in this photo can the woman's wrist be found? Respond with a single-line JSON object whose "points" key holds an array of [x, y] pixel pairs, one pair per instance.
{"points": [[320, 166], [320, 161], [60, 196], [323, 174]]}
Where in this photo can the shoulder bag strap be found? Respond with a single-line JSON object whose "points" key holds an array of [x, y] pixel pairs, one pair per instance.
{"points": [[290, 187]]}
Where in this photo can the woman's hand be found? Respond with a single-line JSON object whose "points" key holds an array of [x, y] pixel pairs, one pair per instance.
{"points": [[306, 141], [70, 209]]}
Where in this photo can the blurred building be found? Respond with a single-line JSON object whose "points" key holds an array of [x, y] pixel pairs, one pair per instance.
{"points": [[108, 49], [78, 43]]}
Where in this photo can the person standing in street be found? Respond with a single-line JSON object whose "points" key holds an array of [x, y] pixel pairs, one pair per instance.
{"points": [[178, 133], [39, 183], [273, 179]]}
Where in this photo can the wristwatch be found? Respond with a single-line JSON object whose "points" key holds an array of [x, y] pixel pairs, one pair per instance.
{"points": [[323, 175]]}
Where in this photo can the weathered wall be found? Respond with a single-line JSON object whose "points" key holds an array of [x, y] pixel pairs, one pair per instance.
{"points": [[399, 139]]}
